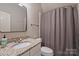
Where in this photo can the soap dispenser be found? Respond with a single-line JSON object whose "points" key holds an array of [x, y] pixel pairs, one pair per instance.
{"points": [[4, 41]]}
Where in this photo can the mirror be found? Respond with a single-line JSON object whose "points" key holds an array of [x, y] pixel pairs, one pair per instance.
{"points": [[12, 17]]}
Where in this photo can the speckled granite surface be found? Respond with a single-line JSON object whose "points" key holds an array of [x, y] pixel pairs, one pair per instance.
{"points": [[9, 51]]}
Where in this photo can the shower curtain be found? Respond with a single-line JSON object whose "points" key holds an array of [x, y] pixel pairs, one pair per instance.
{"points": [[59, 30]]}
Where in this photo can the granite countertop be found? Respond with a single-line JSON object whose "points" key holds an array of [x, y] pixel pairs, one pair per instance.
{"points": [[9, 51]]}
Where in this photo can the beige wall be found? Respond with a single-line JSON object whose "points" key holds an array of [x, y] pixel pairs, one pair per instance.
{"points": [[32, 18], [49, 6]]}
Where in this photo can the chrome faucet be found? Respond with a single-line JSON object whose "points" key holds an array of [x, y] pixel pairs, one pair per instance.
{"points": [[19, 40]]}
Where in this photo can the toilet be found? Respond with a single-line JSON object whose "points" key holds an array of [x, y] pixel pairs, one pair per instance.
{"points": [[45, 51]]}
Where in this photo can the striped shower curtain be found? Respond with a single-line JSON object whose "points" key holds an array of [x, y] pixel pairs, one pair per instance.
{"points": [[59, 30]]}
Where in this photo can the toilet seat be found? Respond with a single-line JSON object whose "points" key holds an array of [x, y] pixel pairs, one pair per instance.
{"points": [[46, 51]]}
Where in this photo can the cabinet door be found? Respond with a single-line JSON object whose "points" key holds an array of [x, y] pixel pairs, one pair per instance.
{"points": [[26, 54], [36, 50]]}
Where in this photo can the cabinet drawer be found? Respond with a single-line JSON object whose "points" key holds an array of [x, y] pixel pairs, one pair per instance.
{"points": [[36, 50]]}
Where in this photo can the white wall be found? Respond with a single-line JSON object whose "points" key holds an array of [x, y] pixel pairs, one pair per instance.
{"points": [[4, 22], [49, 6], [32, 18], [17, 14]]}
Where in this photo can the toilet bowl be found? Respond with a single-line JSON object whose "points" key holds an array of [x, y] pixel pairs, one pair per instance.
{"points": [[45, 51]]}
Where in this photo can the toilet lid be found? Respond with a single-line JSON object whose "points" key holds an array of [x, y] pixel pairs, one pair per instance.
{"points": [[46, 50]]}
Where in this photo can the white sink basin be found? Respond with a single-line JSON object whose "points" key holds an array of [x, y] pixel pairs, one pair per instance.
{"points": [[22, 45]]}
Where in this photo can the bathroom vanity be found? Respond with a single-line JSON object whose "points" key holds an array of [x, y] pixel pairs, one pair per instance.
{"points": [[34, 51], [27, 47]]}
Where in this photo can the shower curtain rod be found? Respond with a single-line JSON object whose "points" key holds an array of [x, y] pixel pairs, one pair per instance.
{"points": [[73, 5]]}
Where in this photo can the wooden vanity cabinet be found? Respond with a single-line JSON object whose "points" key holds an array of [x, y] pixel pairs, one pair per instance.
{"points": [[34, 51]]}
